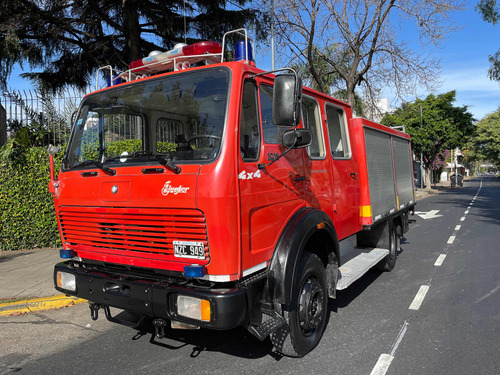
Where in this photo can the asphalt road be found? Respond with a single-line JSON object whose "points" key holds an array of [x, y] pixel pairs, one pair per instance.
{"points": [[453, 325]]}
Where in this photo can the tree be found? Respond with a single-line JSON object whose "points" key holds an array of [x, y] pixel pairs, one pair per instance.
{"points": [[435, 125], [485, 145], [367, 50], [68, 40], [490, 11], [331, 81]]}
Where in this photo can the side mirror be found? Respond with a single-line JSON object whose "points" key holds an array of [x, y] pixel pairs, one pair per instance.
{"points": [[298, 138], [52, 150], [287, 100]]}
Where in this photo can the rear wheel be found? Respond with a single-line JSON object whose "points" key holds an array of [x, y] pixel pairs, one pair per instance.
{"points": [[389, 262], [306, 314]]}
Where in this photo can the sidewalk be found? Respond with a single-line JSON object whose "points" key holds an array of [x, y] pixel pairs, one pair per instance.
{"points": [[27, 284], [26, 276]]}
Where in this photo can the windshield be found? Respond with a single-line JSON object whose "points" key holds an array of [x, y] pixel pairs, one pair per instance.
{"points": [[180, 117]]}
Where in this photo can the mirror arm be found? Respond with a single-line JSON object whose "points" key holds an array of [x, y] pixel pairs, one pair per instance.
{"points": [[264, 166]]}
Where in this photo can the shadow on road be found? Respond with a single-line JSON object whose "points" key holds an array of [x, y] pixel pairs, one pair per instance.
{"points": [[239, 342]]}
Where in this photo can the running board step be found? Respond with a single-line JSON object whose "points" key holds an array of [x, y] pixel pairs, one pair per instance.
{"points": [[358, 266], [275, 322]]}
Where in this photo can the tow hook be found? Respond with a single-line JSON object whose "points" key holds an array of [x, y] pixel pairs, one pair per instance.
{"points": [[94, 310], [160, 325]]}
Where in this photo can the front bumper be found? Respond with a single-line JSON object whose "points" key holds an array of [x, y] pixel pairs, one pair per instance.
{"points": [[155, 298]]}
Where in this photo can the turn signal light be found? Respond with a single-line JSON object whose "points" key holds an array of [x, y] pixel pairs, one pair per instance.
{"points": [[66, 281], [194, 308]]}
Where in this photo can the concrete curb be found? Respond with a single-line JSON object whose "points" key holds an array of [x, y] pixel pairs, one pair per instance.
{"points": [[38, 304]]}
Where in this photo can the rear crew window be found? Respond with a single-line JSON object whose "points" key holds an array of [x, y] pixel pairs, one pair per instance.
{"points": [[312, 121], [337, 132]]}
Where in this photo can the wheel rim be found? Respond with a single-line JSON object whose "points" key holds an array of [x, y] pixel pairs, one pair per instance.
{"points": [[311, 306]]}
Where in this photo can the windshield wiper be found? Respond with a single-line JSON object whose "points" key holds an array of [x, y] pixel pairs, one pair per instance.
{"points": [[99, 165], [162, 159]]}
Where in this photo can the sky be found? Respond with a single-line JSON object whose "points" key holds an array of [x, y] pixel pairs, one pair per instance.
{"points": [[464, 61]]}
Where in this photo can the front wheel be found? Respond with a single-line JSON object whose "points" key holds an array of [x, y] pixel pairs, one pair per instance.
{"points": [[306, 314]]}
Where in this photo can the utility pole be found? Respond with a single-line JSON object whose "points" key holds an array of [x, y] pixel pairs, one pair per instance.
{"points": [[422, 171], [272, 35]]}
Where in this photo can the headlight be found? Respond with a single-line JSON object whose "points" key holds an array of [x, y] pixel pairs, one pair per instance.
{"points": [[66, 281], [194, 308]]}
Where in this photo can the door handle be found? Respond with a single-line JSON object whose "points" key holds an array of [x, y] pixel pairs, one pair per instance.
{"points": [[353, 175], [299, 178]]}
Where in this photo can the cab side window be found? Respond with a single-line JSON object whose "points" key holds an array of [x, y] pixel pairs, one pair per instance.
{"points": [[249, 123], [311, 121], [272, 133], [337, 132]]}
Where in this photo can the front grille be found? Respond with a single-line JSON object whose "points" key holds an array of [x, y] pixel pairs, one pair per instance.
{"points": [[134, 232]]}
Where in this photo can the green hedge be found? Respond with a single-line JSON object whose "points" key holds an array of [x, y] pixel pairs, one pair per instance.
{"points": [[27, 213]]}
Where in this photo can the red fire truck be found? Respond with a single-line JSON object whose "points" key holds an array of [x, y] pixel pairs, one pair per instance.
{"points": [[198, 192]]}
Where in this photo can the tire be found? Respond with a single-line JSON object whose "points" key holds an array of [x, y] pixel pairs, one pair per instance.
{"points": [[307, 312], [389, 262]]}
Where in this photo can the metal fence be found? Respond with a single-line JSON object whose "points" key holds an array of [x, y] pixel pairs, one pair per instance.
{"points": [[48, 114]]}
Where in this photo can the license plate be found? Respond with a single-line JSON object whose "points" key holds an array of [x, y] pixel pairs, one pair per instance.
{"points": [[185, 249]]}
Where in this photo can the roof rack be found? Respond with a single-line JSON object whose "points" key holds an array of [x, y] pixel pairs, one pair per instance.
{"points": [[149, 65]]}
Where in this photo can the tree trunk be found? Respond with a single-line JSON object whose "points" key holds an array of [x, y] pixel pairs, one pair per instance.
{"points": [[350, 94], [427, 179], [132, 30]]}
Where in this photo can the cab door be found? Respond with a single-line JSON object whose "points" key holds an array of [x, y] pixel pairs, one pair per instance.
{"points": [[269, 196], [344, 173]]}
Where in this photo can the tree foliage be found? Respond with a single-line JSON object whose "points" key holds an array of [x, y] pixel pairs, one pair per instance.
{"points": [[367, 52], [331, 82], [68, 40], [435, 125], [490, 11], [485, 145]]}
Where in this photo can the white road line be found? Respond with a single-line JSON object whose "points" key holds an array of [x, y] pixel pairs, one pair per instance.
{"points": [[466, 212], [462, 218], [440, 260], [458, 227], [451, 240], [401, 334], [383, 363], [419, 298]]}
